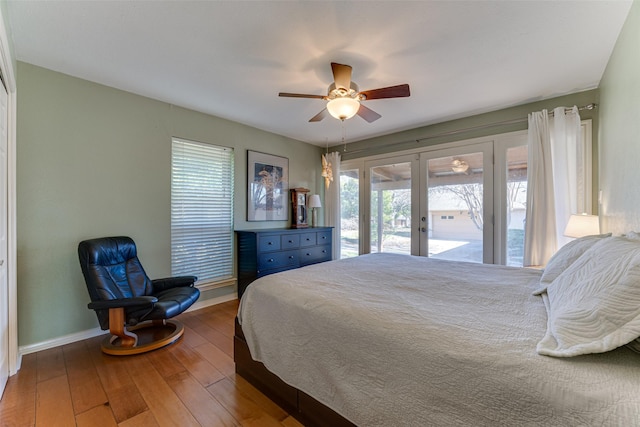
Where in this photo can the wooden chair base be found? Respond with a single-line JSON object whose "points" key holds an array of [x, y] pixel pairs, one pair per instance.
{"points": [[143, 337]]}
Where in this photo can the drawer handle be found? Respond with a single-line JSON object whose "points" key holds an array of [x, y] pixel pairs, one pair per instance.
{"points": [[308, 254], [270, 243], [270, 260], [308, 239], [324, 237], [290, 241], [324, 251], [290, 256]]}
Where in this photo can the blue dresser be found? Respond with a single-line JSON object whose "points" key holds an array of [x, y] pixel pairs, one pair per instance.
{"points": [[267, 251]]}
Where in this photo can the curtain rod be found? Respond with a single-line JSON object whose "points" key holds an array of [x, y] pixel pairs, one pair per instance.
{"points": [[591, 106]]}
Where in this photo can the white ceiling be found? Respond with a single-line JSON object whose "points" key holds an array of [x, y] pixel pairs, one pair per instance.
{"points": [[231, 58]]}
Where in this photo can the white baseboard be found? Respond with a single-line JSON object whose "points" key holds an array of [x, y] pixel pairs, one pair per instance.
{"points": [[90, 333], [55, 342]]}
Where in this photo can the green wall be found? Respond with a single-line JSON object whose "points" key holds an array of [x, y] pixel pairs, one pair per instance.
{"points": [[95, 161], [620, 131], [492, 123], [469, 127]]}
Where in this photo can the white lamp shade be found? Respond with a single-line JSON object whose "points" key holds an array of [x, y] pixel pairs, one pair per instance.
{"points": [[314, 201], [582, 225], [343, 108]]}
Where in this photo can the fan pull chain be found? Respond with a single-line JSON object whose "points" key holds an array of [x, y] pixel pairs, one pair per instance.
{"points": [[344, 136]]}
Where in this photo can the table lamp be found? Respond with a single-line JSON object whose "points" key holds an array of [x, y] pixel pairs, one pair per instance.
{"points": [[314, 204]]}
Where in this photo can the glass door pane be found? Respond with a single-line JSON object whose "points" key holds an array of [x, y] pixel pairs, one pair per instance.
{"points": [[349, 213], [390, 204], [457, 222], [516, 203]]}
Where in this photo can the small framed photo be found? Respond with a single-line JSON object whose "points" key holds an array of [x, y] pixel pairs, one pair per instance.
{"points": [[268, 187]]}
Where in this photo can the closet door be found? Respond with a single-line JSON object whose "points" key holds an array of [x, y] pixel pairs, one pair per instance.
{"points": [[4, 287], [456, 203]]}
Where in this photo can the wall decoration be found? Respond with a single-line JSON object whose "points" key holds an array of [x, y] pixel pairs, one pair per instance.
{"points": [[327, 172], [268, 189]]}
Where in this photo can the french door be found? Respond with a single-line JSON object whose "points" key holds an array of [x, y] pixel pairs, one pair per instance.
{"points": [[456, 203], [436, 203], [390, 186]]}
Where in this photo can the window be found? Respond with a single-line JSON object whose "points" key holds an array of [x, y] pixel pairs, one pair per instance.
{"points": [[202, 212], [349, 213], [516, 202], [460, 227]]}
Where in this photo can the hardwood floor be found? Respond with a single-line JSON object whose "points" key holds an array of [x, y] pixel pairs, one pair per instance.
{"points": [[189, 383]]}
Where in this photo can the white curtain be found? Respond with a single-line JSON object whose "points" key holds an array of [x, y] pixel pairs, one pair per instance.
{"points": [[332, 202], [555, 182]]}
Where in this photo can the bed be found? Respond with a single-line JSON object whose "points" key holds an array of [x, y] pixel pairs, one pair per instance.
{"points": [[397, 340]]}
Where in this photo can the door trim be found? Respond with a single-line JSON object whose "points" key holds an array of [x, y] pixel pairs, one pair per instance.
{"points": [[7, 69]]}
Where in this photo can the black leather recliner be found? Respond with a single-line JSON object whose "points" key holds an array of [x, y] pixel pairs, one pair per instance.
{"points": [[126, 300]]}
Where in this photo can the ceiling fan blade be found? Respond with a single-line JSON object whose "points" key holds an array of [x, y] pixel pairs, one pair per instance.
{"points": [[321, 115], [301, 95], [368, 114], [399, 91], [341, 75]]}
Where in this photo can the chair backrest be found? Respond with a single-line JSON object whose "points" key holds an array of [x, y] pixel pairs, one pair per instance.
{"points": [[112, 270]]}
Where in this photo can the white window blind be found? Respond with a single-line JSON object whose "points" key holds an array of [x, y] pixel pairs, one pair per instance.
{"points": [[201, 211]]}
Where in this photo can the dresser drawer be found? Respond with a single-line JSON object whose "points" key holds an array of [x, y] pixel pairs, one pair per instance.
{"points": [[323, 237], [315, 254], [308, 239], [268, 261], [290, 241], [269, 243]]}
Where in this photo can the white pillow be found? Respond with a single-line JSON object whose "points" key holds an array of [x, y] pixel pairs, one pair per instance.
{"points": [[564, 257], [632, 235], [594, 306]]}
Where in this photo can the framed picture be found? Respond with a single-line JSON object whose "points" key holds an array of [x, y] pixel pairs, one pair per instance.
{"points": [[268, 189]]}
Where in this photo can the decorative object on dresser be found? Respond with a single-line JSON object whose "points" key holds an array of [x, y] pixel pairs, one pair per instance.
{"points": [[314, 204], [268, 185], [299, 216], [263, 252]]}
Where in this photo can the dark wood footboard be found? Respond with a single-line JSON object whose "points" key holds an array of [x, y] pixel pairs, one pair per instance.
{"points": [[300, 405]]}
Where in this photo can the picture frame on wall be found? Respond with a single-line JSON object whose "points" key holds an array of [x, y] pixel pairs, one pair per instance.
{"points": [[268, 187]]}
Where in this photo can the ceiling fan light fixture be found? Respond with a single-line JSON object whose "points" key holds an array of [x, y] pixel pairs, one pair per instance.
{"points": [[459, 166], [344, 96], [343, 108]]}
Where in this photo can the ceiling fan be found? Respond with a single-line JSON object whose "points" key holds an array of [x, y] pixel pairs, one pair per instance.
{"points": [[345, 97]]}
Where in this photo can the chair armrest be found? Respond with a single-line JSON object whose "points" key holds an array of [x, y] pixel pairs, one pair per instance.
{"points": [[123, 302], [173, 282]]}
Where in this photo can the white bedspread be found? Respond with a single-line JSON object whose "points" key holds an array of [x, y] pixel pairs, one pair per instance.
{"points": [[393, 340]]}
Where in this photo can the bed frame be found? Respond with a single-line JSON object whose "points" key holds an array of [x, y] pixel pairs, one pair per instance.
{"points": [[300, 405]]}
